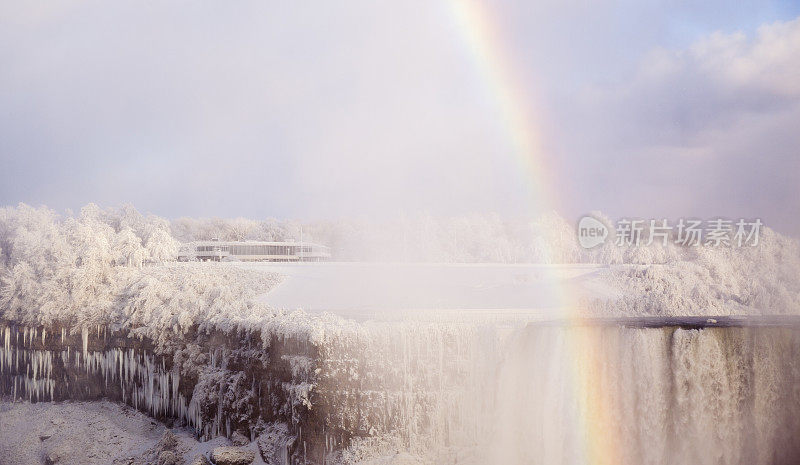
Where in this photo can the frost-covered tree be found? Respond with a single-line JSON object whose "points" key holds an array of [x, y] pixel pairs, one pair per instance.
{"points": [[239, 229], [183, 229], [128, 249], [161, 246], [55, 269], [555, 240], [20, 292]]}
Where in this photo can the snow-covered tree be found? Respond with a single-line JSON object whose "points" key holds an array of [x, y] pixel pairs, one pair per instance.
{"points": [[161, 246], [128, 249], [240, 228]]}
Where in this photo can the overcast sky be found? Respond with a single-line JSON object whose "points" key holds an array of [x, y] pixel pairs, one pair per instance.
{"points": [[362, 108]]}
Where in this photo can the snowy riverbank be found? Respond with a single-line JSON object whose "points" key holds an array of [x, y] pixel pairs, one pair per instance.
{"points": [[86, 433]]}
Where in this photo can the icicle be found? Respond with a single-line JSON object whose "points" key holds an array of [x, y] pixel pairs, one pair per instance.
{"points": [[85, 337], [6, 356]]}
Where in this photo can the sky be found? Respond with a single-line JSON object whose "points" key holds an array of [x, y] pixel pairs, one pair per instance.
{"points": [[320, 110]]}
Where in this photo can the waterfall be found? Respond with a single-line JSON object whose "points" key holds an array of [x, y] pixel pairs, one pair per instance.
{"points": [[570, 395], [648, 396], [500, 394]]}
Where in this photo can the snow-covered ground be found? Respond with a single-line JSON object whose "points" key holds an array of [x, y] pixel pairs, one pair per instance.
{"points": [[108, 433], [363, 289], [88, 433]]}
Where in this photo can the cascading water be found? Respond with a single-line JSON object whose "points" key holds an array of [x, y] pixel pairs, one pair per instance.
{"points": [[604, 394], [618, 395], [474, 393]]}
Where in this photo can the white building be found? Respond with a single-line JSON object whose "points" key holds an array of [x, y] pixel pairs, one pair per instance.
{"points": [[249, 251]]}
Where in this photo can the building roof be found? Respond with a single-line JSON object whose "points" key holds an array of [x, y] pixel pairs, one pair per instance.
{"points": [[286, 243]]}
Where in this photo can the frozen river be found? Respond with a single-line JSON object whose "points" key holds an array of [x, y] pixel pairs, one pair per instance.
{"points": [[365, 289], [495, 291]]}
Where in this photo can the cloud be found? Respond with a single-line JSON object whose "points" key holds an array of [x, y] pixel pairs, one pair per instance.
{"points": [[354, 108], [314, 110], [709, 129]]}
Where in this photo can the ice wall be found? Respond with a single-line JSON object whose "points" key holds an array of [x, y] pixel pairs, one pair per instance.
{"points": [[35, 367], [214, 383]]}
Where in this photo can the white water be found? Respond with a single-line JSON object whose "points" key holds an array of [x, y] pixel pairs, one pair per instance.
{"points": [[648, 396], [576, 395]]}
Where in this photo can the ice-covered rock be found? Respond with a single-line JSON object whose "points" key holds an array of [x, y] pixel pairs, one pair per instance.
{"points": [[231, 455], [239, 439], [168, 441], [168, 457], [199, 459], [56, 454], [51, 457], [275, 443]]}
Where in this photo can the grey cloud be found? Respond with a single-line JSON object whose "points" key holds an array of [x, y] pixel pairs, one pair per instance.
{"points": [[704, 130]]}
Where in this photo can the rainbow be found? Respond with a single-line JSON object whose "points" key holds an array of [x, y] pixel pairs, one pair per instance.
{"points": [[509, 91], [512, 95]]}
